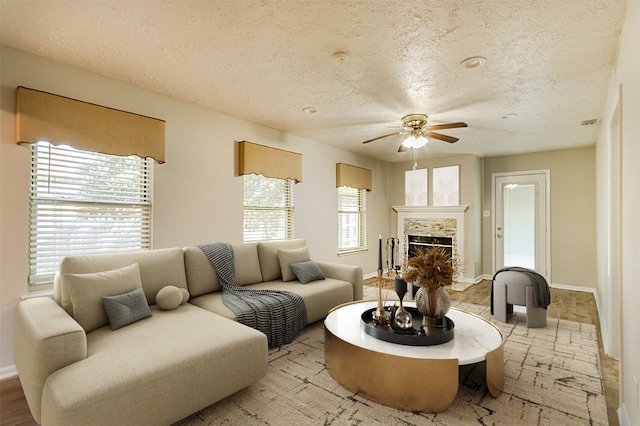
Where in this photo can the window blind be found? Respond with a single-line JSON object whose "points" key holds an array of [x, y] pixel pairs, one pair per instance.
{"points": [[268, 209], [351, 218], [84, 202]]}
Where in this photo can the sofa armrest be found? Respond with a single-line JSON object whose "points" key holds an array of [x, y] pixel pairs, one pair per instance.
{"points": [[46, 339], [349, 273]]}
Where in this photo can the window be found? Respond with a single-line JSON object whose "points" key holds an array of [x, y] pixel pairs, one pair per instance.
{"points": [[83, 202], [352, 210], [268, 208]]}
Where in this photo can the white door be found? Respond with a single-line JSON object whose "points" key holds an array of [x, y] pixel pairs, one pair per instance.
{"points": [[521, 221]]}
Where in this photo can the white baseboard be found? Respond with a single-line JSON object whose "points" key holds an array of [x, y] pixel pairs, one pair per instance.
{"points": [[6, 372], [573, 288]]}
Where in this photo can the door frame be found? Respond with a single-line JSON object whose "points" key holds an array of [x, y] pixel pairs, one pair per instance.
{"points": [[547, 211]]}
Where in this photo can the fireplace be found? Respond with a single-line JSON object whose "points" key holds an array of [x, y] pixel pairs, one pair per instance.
{"points": [[432, 226]]}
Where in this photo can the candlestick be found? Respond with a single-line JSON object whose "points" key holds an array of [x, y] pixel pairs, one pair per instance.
{"points": [[380, 252]]}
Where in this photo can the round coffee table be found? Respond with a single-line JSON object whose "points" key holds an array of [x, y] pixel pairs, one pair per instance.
{"points": [[412, 378]]}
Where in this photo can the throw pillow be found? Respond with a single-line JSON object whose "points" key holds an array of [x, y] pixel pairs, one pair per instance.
{"points": [[185, 295], [87, 290], [307, 271], [127, 308], [287, 257], [169, 297]]}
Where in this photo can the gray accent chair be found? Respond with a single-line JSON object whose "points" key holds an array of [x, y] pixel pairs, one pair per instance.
{"points": [[515, 288]]}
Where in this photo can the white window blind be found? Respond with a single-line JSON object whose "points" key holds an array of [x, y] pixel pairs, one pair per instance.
{"points": [[268, 208], [84, 202], [352, 209]]}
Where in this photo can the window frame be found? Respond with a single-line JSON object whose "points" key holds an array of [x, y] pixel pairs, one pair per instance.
{"points": [[76, 199], [360, 213], [267, 205]]}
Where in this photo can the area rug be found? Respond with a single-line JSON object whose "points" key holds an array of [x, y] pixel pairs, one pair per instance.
{"points": [[552, 377]]}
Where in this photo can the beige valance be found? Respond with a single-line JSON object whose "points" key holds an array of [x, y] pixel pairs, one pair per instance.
{"points": [[269, 162], [353, 176], [42, 116]]}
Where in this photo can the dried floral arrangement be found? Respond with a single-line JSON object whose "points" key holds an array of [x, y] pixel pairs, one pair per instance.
{"points": [[430, 268]]}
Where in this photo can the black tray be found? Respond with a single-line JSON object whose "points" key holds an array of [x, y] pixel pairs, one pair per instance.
{"points": [[436, 334]]}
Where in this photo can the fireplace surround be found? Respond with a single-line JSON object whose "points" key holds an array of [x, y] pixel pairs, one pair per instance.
{"points": [[447, 222]]}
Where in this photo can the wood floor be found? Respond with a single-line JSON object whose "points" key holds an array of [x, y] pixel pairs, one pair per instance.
{"points": [[565, 304]]}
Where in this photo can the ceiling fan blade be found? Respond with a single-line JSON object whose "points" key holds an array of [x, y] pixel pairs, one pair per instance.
{"points": [[445, 138], [383, 136], [402, 148], [447, 126]]}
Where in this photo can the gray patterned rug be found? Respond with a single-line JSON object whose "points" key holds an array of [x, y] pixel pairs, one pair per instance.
{"points": [[552, 377]]}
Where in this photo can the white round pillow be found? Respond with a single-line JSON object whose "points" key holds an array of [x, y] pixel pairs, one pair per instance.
{"points": [[185, 295], [169, 297]]}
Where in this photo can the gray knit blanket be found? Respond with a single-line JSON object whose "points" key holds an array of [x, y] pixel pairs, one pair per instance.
{"points": [[278, 314], [541, 291]]}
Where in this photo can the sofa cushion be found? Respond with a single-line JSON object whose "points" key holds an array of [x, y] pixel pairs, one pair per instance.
{"points": [[319, 296], [287, 257], [201, 275], [307, 271], [169, 297], [127, 308], [268, 254], [87, 290], [245, 256], [135, 377]]}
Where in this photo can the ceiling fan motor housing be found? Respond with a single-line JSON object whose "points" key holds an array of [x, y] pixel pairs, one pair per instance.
{"points": [[414, 121]]}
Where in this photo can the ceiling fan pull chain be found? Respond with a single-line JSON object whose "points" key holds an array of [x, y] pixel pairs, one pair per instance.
{"points": [[415, 158]]}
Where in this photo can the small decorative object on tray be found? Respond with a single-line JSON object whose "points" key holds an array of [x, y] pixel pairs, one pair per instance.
{"points": [[402, 318], [380, 315]]}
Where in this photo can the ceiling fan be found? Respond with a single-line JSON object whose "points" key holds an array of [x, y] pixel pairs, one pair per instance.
{"points": [[417, 131]]}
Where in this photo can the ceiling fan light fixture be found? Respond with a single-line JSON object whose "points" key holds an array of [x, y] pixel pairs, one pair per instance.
{"points": [[415, 141]]}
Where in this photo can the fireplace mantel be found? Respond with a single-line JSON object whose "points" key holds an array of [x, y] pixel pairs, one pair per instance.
{"points": [[431, 209]]}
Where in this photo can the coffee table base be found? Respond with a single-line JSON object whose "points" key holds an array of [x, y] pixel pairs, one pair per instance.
{"points": [[411, 384]]}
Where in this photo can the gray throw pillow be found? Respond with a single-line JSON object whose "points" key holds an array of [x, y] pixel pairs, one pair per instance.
{"points": [[127, 308], [307, 271]]}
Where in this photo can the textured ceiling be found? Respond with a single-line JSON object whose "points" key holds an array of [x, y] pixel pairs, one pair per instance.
{"points": [[548, 61]]}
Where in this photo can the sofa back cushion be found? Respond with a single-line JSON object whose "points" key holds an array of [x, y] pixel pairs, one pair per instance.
{"points": [[202, 277], [245, 256], [87, 290], [268, 255], [158, 268]]}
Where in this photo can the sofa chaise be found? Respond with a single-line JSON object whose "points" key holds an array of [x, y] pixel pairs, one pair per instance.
{"points": [[168, 357]]}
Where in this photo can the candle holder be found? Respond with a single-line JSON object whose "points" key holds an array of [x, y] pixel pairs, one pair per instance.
{"points": [[380, 315], [403, 319]]}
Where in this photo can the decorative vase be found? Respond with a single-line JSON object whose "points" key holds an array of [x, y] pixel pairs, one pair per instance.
{"points": [[433, 304]]}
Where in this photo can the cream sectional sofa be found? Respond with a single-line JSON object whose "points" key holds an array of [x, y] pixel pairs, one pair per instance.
{"points": [[76, 370]]}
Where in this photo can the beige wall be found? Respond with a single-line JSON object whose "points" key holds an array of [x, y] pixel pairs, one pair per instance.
{"points": [[470, 179], [572, 206], [624, 308], [197, 198]]}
